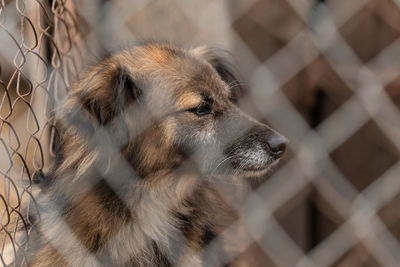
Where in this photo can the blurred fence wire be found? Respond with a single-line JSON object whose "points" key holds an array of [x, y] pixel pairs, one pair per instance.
{"points": [[324, 73]]}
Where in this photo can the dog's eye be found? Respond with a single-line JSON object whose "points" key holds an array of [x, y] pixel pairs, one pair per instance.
{"points": [[201, 110]]}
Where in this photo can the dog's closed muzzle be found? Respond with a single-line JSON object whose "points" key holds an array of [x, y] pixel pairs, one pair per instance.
{"points": [[256, 149]]}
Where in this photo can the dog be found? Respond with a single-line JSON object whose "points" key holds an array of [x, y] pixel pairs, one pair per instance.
{"points": [[143, 136]]}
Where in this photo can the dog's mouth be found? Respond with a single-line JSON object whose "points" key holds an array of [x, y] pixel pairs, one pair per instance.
{"points": [[257, 169], [249, 166]]}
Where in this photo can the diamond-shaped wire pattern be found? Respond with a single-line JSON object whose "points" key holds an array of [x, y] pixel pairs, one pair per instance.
{"points": [[323, 73]]}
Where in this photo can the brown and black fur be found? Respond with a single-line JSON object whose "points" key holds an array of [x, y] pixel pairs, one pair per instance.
{"points": [[142, 136]]}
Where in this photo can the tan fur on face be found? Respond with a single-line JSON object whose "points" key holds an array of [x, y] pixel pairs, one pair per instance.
{"points": [[189, 100], [159, 56]]}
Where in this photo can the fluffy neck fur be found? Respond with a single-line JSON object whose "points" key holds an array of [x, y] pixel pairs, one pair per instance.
{"points": [[161, 220]]}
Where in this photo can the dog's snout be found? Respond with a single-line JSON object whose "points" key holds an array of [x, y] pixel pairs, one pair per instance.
{"points": [[276, 145]]}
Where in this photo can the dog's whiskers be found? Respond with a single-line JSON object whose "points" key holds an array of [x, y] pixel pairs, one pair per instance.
{"points": [[233, 84], [219, 164]]}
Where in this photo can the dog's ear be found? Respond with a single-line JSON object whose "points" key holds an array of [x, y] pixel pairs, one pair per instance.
{"points": [[107, 92], [221, 61]]}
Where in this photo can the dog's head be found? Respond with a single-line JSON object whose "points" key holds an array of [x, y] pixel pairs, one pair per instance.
{"points": [[166, 105]]}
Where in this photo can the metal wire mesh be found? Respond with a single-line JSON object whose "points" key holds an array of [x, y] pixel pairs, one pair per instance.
{"points": [[324, 73], [39, 45]]}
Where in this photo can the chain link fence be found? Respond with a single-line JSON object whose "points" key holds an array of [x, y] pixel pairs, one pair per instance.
{"points": [[39, 47], [323, 73]]}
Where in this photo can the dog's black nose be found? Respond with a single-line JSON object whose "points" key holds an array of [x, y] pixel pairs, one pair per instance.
{"points": [[277, 145]]}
